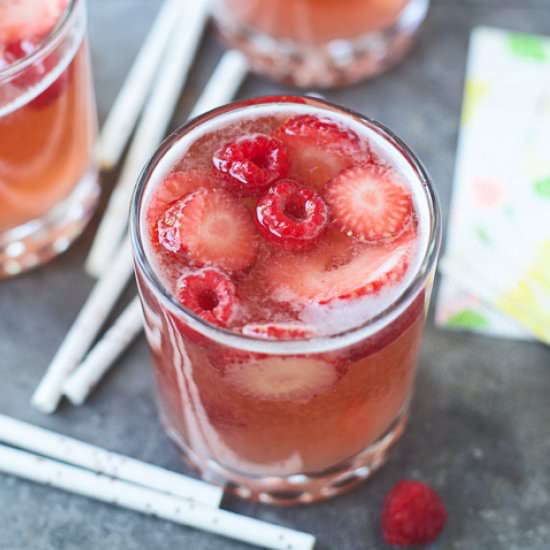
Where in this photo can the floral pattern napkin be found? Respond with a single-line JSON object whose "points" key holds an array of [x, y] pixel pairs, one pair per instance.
{"points": [[496, 271]]}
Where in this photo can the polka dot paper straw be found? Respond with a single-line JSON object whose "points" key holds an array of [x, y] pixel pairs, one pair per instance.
{"points": [[125, 495], [54, 445]]}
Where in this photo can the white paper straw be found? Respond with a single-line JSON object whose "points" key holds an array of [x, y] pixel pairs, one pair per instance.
{"points": [[224, 83], [54, 445], [147, 501], [84, 330], [151, 129], [129, 102], [103, 356]]}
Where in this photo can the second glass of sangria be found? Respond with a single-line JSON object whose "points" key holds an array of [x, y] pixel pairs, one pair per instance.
{"points": [[320, 43], [48, 184]]}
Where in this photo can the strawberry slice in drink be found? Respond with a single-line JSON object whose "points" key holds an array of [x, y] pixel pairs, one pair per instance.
{"points": [[20, 19], [175, 186], [337, 271], [318, 149], [369, 203], [211, 227], [283, 378], [178, 185]]}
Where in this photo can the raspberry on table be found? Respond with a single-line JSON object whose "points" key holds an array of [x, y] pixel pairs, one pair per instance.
{"points": [[252, 163], [413, 514]]}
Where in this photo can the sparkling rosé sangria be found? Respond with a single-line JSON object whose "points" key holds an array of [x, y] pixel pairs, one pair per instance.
{"points": [[320, 42], [48, 186], [284, 250]]}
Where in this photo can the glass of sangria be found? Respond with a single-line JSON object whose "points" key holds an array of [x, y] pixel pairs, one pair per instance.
{"points": [[320, 43], [48, 184], [284, 252]]}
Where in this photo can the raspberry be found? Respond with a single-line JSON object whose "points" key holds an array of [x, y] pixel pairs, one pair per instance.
{"points": [[413, 514], [292, 215], [252, 163], [209, 293]]}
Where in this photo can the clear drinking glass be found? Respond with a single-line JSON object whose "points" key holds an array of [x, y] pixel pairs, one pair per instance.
{"points": [[320, 43], [48, 183], [289, 448]]}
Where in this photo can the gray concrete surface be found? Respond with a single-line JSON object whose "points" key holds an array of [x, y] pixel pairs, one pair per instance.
{"points": [[480, 430]]}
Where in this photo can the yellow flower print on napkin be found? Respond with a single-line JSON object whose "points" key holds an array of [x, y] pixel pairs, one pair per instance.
{"points": [[475, 91]]}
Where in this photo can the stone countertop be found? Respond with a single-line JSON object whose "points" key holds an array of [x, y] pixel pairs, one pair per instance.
{"points": [[480, 428]]}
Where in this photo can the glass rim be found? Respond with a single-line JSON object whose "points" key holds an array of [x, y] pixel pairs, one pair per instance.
{"points": [[321, 343], [45, 46]]}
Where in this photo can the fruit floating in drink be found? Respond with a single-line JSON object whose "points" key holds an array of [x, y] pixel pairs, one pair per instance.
{"points": [[284, 249], [320, 42], [48, 185]]}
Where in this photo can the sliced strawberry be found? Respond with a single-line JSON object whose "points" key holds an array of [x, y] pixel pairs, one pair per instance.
{"points": [[209, 293], [29, 18], [251, 163], [283, 378], [369, 203], [279, 331], [212, 227], [335, 271], [291, 215], [319, 148], [177, 185]]}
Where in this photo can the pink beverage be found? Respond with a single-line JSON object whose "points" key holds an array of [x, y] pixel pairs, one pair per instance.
{"points": [[284, 251], [48, 187], [320, 42]]}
